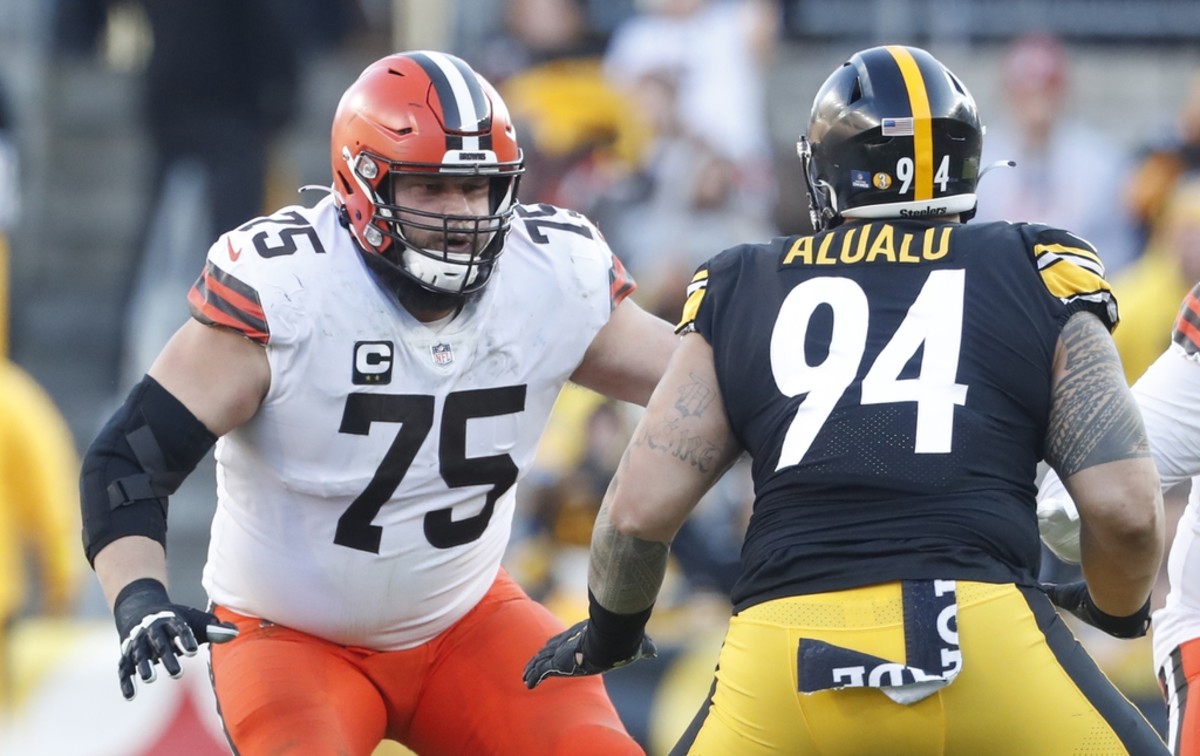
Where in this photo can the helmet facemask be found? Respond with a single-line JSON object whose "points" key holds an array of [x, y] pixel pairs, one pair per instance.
{"points": [[822, 199], [445, 253]]}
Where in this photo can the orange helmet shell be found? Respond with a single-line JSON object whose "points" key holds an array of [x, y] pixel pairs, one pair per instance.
{"points": [[419, 111]]}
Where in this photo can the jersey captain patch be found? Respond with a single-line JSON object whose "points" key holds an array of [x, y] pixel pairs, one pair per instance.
{"points": [[219, 298], [1187, 324]]}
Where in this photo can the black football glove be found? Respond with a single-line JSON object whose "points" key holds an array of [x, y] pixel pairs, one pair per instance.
{"points": [[152, 629], [563, 656], [1074, 597]]}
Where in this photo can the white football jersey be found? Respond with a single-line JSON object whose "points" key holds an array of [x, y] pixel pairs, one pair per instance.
{"points": [[370, 499], [1168, 394]]}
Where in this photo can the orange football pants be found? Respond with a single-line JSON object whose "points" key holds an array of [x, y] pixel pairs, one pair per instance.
{"points": [[281, 691], [1180, 678]]}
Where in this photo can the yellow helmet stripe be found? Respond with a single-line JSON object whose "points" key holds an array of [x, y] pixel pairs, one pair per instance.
{"points": [[922, 122]]}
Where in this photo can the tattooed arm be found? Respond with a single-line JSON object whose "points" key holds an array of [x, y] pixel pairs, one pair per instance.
{"points": [[681, 446], [1097, 443]]}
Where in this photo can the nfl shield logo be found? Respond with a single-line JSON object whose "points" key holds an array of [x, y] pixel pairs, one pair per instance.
{"points": [[442, 354]]}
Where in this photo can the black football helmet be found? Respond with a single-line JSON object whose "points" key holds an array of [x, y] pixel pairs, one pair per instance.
{"points": [[893, 134]]}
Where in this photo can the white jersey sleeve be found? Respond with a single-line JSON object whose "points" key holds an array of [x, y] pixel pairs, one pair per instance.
{"points": [[242, 289], [1168, 394], [370, 499]]}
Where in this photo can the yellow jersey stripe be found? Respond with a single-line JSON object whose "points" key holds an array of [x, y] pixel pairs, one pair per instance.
{"points": [[690, 308], [918, 97], [1065, 280], [1061, 249], [695, 293]]}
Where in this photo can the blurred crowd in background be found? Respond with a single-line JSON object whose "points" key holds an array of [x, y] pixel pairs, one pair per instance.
{"points": [[133, 132]]}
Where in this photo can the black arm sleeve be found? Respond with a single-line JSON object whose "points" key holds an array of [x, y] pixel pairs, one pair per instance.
{"points": [[137, 460]]}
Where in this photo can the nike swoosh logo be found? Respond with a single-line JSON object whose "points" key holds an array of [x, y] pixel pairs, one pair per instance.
{"points": [[234, 254]]}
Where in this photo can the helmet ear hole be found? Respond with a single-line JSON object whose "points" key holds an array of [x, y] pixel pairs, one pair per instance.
{"points": [[856, 93], [954, 80]]}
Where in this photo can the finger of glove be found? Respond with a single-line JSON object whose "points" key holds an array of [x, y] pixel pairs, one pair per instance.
{"points": [[170, 660], [535, 673], [145, 667], [165, 637], [541, 665], [184, 639], [217, 632], [125, 676], [538, 674], [532, 667], [556, 659], [207, 627]]}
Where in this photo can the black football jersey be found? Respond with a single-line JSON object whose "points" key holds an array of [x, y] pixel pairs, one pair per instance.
{"points": [[892, 382]]}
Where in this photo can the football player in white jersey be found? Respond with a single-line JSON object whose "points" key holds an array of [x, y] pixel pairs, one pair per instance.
{"points": [[375, 375], [1168, 396]]}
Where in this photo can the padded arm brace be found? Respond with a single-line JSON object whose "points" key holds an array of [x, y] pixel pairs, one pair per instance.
{"points": [[138, 459]]}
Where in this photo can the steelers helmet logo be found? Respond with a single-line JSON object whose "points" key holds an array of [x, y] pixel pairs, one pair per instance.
{"points": [[881, 180]]}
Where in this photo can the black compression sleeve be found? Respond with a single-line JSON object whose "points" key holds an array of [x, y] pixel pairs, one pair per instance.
{"points": [[136, 461]]}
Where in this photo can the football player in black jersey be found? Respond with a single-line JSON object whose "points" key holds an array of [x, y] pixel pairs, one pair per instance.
{"points": [[896, 377]]}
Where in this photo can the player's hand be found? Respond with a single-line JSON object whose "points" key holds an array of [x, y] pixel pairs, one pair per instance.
{"points": [[1074, 597], [562, 656], [153, 631], [1058, 525]]}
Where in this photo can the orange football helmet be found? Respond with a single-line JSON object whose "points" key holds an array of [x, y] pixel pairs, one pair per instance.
{"points": [[424, 112]]}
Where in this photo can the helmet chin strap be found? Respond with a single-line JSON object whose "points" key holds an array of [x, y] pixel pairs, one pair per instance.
{"points": [[822, 200]]}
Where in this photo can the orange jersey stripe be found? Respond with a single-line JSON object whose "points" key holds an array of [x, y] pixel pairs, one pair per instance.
{"points": [[620, 283], [1187, 324], [207, 313], [221, 299], [250, 308]]}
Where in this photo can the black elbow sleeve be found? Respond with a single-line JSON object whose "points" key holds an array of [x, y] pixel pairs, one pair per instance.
{"points": [[138, 459]]}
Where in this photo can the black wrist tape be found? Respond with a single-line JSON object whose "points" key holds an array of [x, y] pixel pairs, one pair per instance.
{"points": [[139, 585], [135, 601], [612, 637], [1130, 626]]}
